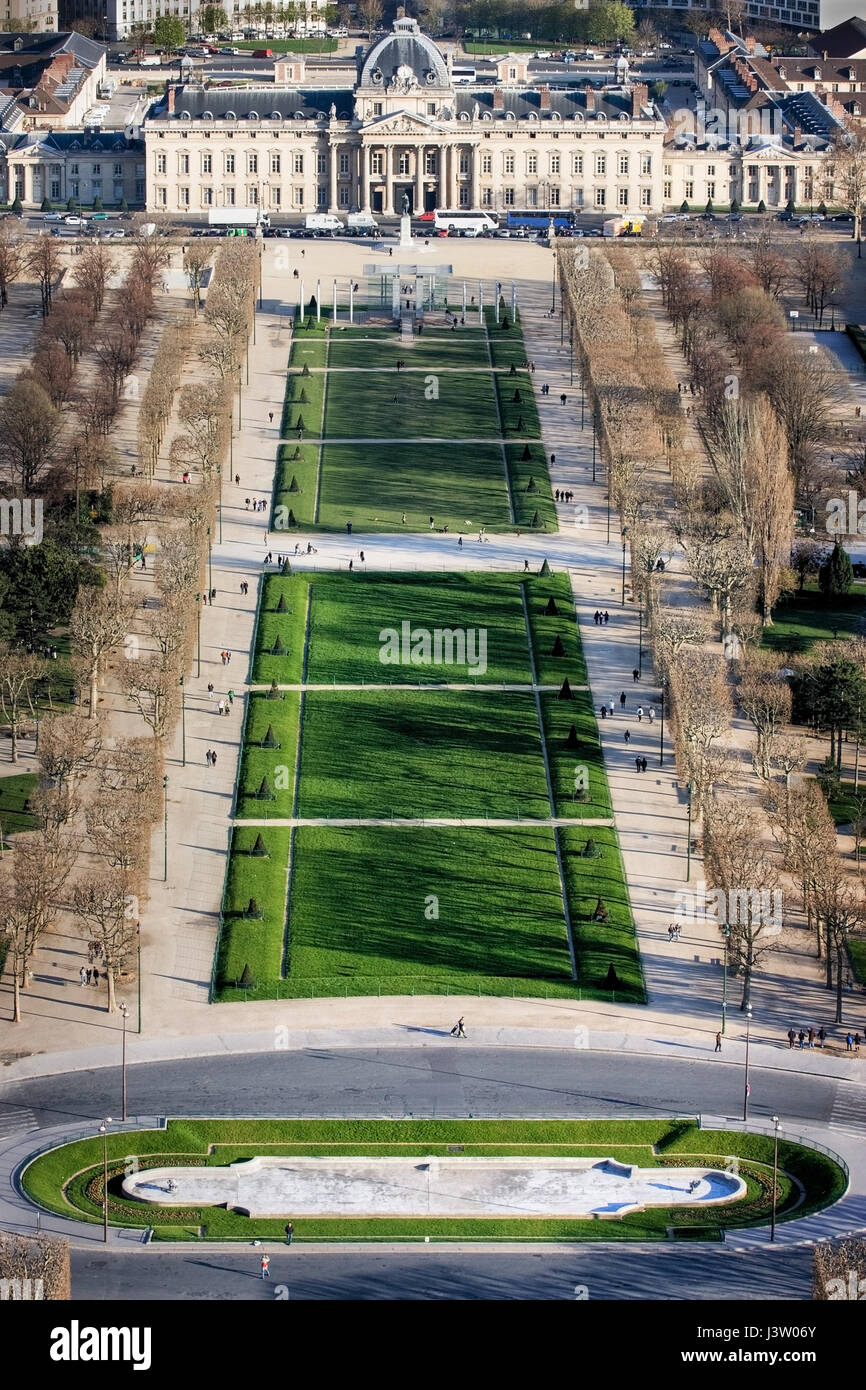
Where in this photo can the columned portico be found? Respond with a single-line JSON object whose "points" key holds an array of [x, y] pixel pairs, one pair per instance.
{"points": [[332, 179], [419, 179]]}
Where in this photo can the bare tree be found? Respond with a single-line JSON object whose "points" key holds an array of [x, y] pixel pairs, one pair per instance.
{"points": [[109, 914], [29, 895], [701, 709], [765, 699], [98, 624], [92, 269], [196, 262], [802, 392], [35, 1262], [69, 746], [118, 827], [739, 864], [11, 262], [43, 260], [154, 692], [19, 673], [769, 265], [841, 910], [29, 430], [845, 174]]}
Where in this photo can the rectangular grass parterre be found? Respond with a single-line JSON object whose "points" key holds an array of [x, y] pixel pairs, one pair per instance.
{"points": [[456, 405], [373, 485]]}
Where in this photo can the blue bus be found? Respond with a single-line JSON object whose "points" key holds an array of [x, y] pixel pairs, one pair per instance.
{"points": [[539, 219]]}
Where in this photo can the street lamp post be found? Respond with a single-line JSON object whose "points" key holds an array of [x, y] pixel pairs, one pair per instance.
{"points": [[571, 356], [640, 643], [209, 566], [124, 1009], [776, 1128], [165, 829], [746, 1087], [726, 932], [624, 543], [103, 1130], [240, 420], [182, 723], [662, 730], [198, 599], [689, 838], [553, 287]]}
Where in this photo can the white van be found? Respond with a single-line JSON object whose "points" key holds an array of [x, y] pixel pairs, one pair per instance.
{"points": [[322, 222]]}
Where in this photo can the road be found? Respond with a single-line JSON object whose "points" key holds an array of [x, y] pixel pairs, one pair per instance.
{"points": [[452, 1080]]}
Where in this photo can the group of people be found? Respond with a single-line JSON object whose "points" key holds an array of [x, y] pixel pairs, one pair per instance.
{"points": [[640, 764], [674, 931], [258, 504], [560, 494], [89, 973], [806, 1039], [600, 618]]}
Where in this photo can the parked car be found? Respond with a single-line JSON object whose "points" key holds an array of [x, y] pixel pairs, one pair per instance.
{"points": [[72, 221], [735, 217], [229, 52], [52, 217], [843, 217]]}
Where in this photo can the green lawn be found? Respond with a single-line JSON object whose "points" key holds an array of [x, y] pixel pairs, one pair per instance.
{"points": [[303, 400], [295, 482], [67, 1180], [254, 942], [572, 768], [362, 902], [800, 620], [372, 485], [599, 945], [14, 794], [455, 405], [421, 753], [436, 347], [276, 765], [534, 507], [286, 629], [545, 628]]}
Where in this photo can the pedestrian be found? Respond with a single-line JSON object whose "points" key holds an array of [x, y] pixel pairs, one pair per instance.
{"points": [[610, 709], [651, 714], [792, 1037], [821, 1037], [811, 1037], [204, 600], [460, 542], [362, 557], [221, 706], [563, 399], [644, 764], [552, 459], [228, 658], [635, 675], [627, 736], [223, 658], [231, 697], [351, 562], [856, 1042], [622, 699], [270, 417], [213, 595], [290, 1233], [605, 617], [849, 1042], [801, 1038], [637, 764], [213, 758], [207, 756], [458, 1030], [525, 566], [640, 714], [82, 975], [237, 480], [604, 711], [88, 973], [403, 518], [247, 503], [718, 1046], [556, 495], [95, 980], [266, 1260], [431, 523], [210, 690]]}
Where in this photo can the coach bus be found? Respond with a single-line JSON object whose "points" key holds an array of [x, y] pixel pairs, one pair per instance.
{"points": [[537, 219], [465, 222]]}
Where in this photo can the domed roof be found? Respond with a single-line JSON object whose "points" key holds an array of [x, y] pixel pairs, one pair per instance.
{"points": [[404, 59]]}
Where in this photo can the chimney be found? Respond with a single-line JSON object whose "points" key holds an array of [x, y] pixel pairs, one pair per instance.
{"points": [[170, 94], [825, 55], [590, 98], [798, 137], [498, 99], [544, 97], [639, 98]]}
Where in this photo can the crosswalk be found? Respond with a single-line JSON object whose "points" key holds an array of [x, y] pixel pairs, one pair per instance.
{"points": [[849, 1108], [16, 1120]]}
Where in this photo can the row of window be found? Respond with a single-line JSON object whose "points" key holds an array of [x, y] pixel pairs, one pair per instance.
{"points": [[94, 170], [297, 197], [404, 164]]}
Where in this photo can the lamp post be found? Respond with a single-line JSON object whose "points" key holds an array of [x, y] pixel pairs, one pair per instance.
{"points": [[689, 837], [553, 287], [662, 730], [624, 543], [746, 1087], [182, 722], [124, 1009], [240, 420], [776, 1127], [165, 829], [726, 932], [209, 565], [198, 599], [220, 502], [103, 1130], [571, 358], [640, 642]]}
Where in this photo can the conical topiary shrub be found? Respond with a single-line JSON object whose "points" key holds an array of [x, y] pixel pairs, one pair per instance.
{"points": [[572, 741], [505, 322], [292, 521], [286, 567], [565, 691], [545, 567], [279, 648], [246, 981], [282, 606], [293, 485], [297, 454], [531, 486], [536, 519], [299, 423], [591, 851], [260, 849], [551, 611], [512, 371], [273, 693], [270, 739], [520, 425], [558, 648], [264, 792], [310, 321], [312, 306], [526, 455], [611, 979], [303, 398], [516, 397], [253, 910], [600, 913], [306, 371]]}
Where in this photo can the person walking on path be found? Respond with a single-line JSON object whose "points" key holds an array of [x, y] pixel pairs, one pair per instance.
{"points": [[290, 1233], [221, 706], [213, 758], [604, 711], [95, 979], [270, 417], [610, 708], [635, 675], [718, 1046], [266, 1260], [458, 1030], [801, 1038], [627, 736], [231, 697], [82, 975], [651, 714], [821, 1037], [849, 1043], [811, 1037], [640, 714], [605, 617], [210, 690], [622, 699], [637, 764], [644, 764], [792, 1037], [207, 757]]}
